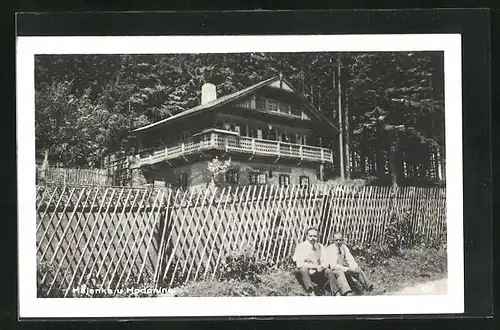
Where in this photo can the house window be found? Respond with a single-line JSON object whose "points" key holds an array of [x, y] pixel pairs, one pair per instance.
{"points": [[284, 107], [284, 179], [304, 181], [183, 180], [295, 111], [272, 105], [232, 176], [257, 178]]}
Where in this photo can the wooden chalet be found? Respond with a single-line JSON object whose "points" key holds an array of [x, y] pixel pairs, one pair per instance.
{"points": [[271, 133]]}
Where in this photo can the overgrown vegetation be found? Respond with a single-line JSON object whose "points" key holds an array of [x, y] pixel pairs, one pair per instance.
{"points": [[404, 258], [389, 273], [244, 275]]}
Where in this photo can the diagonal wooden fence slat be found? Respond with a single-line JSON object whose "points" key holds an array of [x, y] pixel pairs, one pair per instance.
{"points": [[118, 235]]}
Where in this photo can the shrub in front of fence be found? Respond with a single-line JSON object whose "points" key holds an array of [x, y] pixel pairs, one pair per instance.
{"points": [[243, 265], [399, 236], [174, 271]]}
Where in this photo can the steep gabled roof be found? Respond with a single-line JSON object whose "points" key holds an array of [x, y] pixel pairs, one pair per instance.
{"points": [[233, 97]]}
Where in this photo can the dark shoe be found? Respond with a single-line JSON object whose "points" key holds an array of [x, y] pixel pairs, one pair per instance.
{"points": [[348, 293]]}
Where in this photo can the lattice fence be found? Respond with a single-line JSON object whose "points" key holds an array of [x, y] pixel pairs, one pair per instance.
{"points": [[61, 175], [114, 235]]}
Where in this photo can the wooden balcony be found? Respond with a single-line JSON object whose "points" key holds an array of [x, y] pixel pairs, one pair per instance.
{"points": [[215, 139]]}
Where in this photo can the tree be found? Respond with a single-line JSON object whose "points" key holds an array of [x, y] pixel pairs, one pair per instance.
{"points": [[217, 168], [117, 93], [395, 110]]}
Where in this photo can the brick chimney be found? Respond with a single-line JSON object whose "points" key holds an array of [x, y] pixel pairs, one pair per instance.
{"points": [[208, 93]]}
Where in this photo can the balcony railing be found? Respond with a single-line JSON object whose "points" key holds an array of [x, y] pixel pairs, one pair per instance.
{"points": [[233, 142]]}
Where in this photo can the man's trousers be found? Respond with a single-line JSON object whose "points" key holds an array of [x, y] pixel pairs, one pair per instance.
{"points": [[320, 278], [343, 279]]}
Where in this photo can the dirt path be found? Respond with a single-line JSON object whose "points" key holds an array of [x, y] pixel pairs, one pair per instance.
{"points": [[432, 287]]}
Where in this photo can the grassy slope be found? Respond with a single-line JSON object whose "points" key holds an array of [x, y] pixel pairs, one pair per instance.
{"points": [[415, 266]]}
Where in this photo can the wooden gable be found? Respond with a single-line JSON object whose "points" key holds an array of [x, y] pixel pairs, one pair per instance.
{"points": [[281, 85]]}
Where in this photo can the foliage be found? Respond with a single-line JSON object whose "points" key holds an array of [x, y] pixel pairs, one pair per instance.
{"points": [[370, 254], [415, 265], [399, 234], [244, 265], [399, 110], [217, 167], [399, 237], [390, 273], [176, 276], [49, 277], [86, 105]]}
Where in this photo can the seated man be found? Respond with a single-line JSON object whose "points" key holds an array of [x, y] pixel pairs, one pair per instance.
{"points": [[342, 264], [310, 259]]}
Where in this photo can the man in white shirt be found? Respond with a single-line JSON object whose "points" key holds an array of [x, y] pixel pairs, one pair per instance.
{"points": [[342, 264], [310, 258]]}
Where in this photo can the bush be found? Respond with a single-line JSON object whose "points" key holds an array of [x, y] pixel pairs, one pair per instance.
{"points": [[243, 265], [177, 276], [371, 254], [47, 276]]}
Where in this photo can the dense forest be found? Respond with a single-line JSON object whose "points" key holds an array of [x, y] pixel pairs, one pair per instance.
{"points": [[389, 106]]}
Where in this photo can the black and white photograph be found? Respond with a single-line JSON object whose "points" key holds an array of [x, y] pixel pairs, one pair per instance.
{"points": [[308, 175]]}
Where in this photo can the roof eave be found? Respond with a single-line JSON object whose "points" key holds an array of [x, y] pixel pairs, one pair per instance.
{"points": [[215, 106]]}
